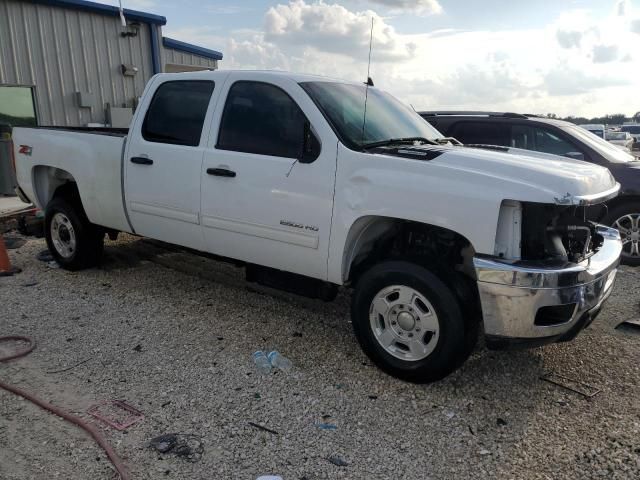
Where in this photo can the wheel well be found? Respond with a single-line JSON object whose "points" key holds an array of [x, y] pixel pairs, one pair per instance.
{"points": [[50, 182], [616, 202], [446, 253], [374, 239]]}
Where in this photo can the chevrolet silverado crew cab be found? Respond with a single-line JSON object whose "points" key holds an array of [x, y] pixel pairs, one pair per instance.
{"points": [[295, 178]]}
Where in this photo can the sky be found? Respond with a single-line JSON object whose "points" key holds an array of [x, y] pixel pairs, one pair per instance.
{"points": [[568, 57]]}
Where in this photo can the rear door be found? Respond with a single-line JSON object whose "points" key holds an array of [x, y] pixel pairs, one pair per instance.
{"points": [[163, 161], [259, 203]]}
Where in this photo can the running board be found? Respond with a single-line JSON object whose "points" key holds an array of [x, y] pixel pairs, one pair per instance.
{"points": [[291, 282]]}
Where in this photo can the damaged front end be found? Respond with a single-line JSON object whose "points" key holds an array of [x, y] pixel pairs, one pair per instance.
{"points": [[550, 273]]}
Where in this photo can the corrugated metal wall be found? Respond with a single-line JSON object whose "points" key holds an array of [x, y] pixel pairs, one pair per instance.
{"points": [[176, 57], [62, 51]]}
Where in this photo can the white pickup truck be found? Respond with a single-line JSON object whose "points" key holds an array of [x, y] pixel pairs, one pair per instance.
{"points": [[287, 175]]}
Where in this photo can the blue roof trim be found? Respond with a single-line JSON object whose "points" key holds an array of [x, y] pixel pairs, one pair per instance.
{"points": [[189, 48], [106, 10]]}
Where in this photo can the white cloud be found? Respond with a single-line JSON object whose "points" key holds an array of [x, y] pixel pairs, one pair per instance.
{"points": [[556, 68], [420, 7], [605, 53], [334, 29], [569, 38]]}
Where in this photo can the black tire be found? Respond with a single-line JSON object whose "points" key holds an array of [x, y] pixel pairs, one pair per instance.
{"points": [[628, 208], [89, 239], [452, 346]]}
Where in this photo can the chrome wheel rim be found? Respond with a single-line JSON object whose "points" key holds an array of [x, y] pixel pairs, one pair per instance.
{"points": [[404, 323], [629, 228], [63, 236]]}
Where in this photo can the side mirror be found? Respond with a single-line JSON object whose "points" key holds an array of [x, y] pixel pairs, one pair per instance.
{"points": [[310, 145], [575, 155]]}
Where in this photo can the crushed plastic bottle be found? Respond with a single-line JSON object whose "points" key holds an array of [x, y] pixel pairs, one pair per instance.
{"points": [[262, 362], [277, 360]]}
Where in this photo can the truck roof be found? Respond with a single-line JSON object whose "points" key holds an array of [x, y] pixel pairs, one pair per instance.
{"points": [[296, 77]]}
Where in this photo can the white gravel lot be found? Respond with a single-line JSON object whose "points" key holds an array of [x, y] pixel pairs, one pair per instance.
{"points": [[172, 334]]}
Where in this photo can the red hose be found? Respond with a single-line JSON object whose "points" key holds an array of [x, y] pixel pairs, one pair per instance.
{"points": [[90, 429]]}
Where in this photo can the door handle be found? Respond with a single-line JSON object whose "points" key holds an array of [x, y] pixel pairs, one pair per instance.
{"points": [[221, 172], [141, 160]]}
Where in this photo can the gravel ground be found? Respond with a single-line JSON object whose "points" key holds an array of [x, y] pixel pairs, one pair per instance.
{"points": [[172, 334]]}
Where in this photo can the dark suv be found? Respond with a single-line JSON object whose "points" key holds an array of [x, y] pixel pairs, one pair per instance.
{"points": [[530, 132]]}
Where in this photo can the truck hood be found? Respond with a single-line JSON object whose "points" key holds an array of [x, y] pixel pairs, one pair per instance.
{"points": [[566, 181]]}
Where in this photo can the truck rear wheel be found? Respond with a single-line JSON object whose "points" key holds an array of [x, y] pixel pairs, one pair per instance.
{"points": [[408, 322], [73, 241]]}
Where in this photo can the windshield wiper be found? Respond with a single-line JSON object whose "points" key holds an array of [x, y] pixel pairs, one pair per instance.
{"points": [[391, 141]]}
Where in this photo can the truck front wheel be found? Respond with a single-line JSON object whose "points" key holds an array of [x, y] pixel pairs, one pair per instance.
{"points": [[408, 322], [72, 240]]}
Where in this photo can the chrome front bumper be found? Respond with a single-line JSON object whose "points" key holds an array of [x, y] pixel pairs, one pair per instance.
{"points": [[512, 294]]}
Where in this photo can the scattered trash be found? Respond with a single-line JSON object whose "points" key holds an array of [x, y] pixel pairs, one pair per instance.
{"points": [[13, 242], [262, 362], [449, 415], [257, 396], [338, 461], [53, 264], [264, 429], [72, 366], [277, 360], [116, 414], [326, 426], [484, 452], [501, 422], [373, 397], [630, 326], [269, 477], [45, 256], [185, 445], [567, 383]]}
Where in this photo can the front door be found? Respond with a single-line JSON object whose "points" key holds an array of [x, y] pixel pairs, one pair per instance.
{"points": [[164, 160], [259, 203]]}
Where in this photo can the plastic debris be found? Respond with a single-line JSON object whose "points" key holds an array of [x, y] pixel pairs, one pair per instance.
{"points": [[116, 414], [326, 426], [263, 428], [262, 362], [279, 361], [269, 477], [338, 461], [185, 445], [629, 326]]}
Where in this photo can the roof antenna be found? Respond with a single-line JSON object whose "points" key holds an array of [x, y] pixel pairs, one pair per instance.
{"points": [[122, 19], [368, 83]]}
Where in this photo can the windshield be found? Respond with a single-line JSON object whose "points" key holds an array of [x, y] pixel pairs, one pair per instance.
{"points": [[607, 150], [387, 118], [617, 136], [635, 129]]}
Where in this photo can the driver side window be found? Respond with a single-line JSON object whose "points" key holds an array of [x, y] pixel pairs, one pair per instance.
{"points": [[261, 118]]}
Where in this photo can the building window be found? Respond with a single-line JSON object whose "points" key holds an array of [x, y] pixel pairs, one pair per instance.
{"points": [[17, 106]]}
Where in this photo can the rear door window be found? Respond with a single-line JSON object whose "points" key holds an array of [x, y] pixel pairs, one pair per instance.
{"points": [[485, 133], [177, 111], [261, 118]]}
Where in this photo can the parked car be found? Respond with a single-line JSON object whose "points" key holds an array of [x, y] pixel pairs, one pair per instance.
{"points": [[286, 175], [595, 128], [622, 140], [541, 134], [634, 131]]}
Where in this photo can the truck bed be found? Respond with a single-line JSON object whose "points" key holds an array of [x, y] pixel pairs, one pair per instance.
{"points": [[111, 132], [92, 157]]}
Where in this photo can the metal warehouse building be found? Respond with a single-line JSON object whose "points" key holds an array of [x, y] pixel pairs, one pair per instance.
{"points": [[73, 63]]}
